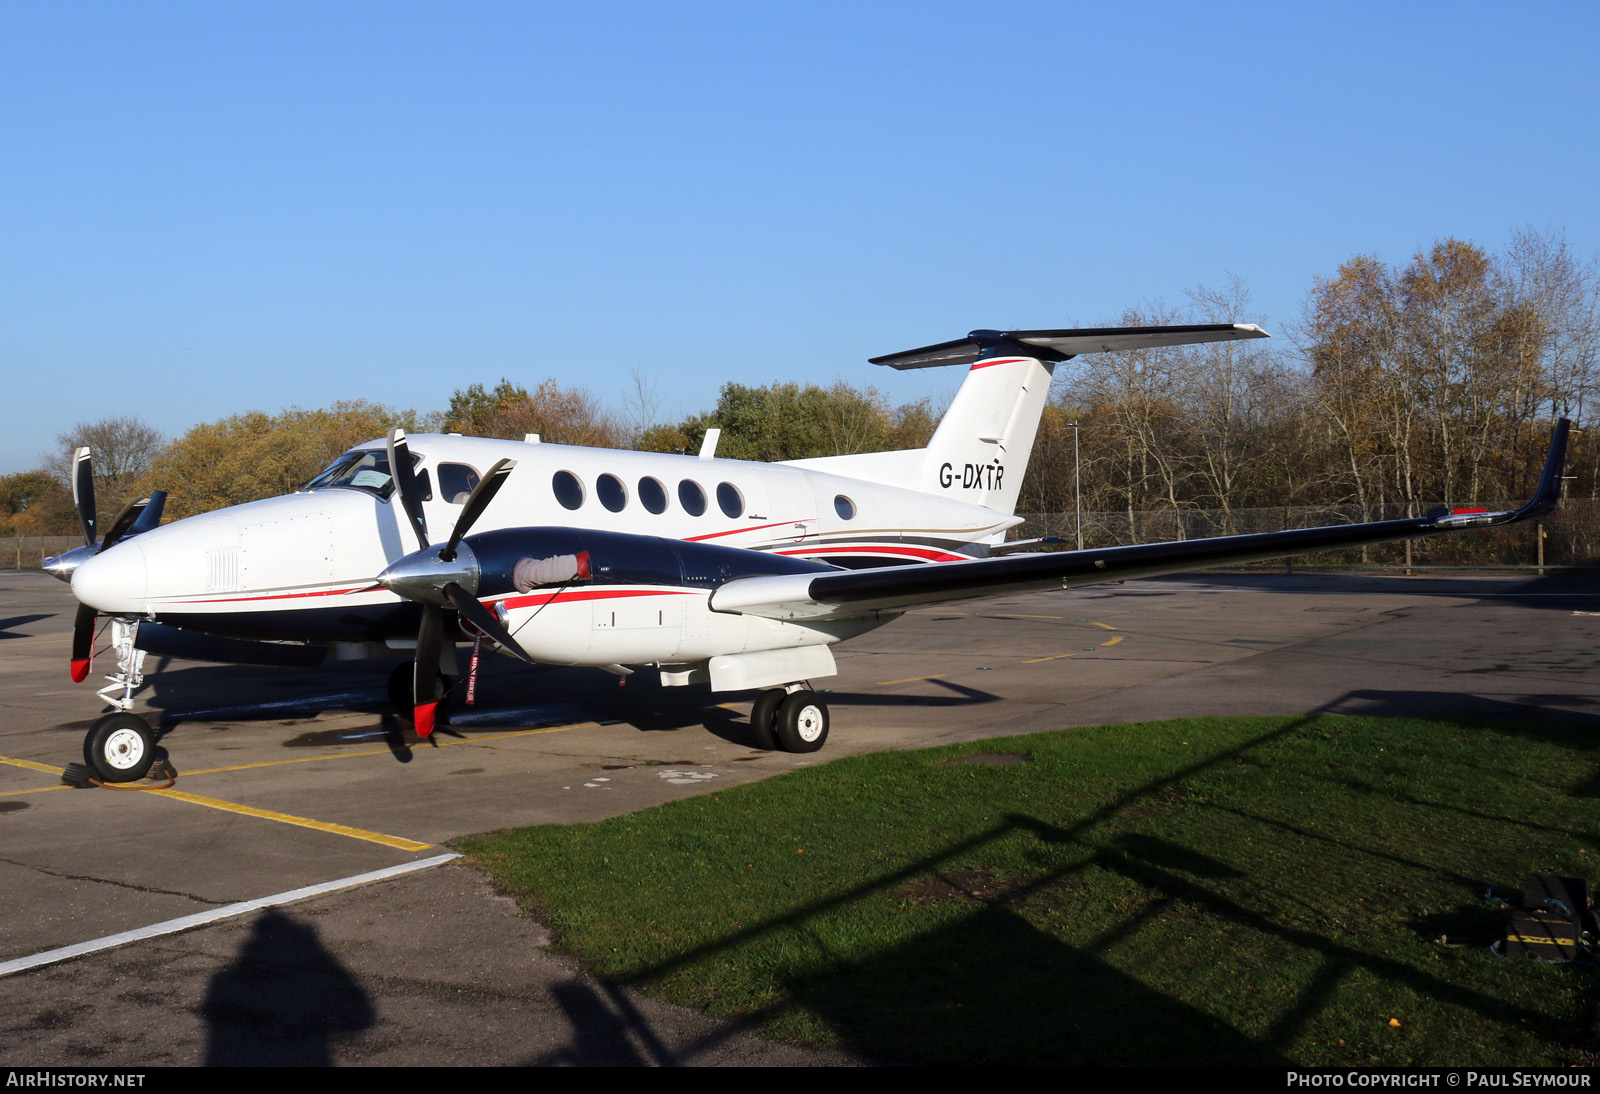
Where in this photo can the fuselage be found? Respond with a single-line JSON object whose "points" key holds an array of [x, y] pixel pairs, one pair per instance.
{"points": [[301, 567]]}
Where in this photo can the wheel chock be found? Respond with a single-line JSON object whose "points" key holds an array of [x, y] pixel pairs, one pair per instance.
{"points": [[78, 775]]}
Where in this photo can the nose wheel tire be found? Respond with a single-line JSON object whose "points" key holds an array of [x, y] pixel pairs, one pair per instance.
{"points": [[802, 722], [120, 748]]}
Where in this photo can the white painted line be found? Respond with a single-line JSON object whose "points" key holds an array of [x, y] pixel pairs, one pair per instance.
{"points": [[200, 919]]}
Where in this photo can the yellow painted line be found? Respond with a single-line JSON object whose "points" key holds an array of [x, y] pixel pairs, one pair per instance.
{"points": [[1057, 657], [1107, 626], [30, 765], [909, 680], [1019, 615], [301, 822], [1113, 641]]}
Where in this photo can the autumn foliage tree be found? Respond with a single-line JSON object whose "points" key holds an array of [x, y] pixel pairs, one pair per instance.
{"points": [[559, 415], [787, 421], [252, 456]]}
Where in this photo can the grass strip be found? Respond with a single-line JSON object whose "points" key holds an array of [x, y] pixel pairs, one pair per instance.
{"points": [[1205, 891]]}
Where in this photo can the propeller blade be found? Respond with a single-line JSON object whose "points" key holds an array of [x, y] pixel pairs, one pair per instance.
{"points": [[477, 502], [484, 620], [83, 492], [405, 484], [124, 522], [425, 680], [82, 643]]}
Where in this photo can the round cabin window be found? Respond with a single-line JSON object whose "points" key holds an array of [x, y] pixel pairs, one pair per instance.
{"points": [[612, 494], [568, 489], [691, 497], [652, 495]]}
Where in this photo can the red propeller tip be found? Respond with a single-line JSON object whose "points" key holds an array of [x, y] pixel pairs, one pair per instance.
{"points": [[80, 671], [422, 717]]}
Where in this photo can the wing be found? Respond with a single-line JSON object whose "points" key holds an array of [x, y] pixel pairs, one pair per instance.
{"points": [[856, 592]]}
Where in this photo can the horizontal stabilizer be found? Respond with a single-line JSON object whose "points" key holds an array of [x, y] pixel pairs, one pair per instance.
{"points": [[1058, 345]]}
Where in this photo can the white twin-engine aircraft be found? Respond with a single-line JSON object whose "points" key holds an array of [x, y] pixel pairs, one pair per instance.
{"points": [[742, 575]]}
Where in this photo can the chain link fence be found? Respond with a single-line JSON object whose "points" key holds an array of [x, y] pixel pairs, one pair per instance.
{"points": [[1569, 536], [29, 552]]}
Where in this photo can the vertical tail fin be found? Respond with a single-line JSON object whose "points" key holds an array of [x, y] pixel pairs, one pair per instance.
{"points": [[981, 448]]}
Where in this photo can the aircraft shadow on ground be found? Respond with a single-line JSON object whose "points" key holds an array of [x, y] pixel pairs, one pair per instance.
{"points": [[991, 986], [8, 627], [1551, 708], [1553, 592], [510, 697]]}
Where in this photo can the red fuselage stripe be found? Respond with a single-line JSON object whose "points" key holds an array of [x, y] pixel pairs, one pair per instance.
{"points": [[277, 596], [927, 553], [588, 594], [752, 528]]}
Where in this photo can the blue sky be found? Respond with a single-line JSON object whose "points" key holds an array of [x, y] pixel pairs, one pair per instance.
{"points": [[214, 208]]}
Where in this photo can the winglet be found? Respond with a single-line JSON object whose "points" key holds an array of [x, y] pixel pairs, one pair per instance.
{"points": [[1544, 498], [1555, 464]]}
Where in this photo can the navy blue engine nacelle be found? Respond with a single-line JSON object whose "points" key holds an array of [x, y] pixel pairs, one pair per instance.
{"points": [[621, 558]]}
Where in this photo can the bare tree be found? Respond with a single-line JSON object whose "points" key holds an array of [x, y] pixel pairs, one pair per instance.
{"points": [[123, 448], [1233, 392], [641, 403]]}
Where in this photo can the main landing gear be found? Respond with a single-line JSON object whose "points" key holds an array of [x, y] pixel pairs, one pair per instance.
{"points": [[793, 719]]}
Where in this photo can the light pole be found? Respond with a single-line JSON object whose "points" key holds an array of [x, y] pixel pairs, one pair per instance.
{"points": [[1077, 484]]}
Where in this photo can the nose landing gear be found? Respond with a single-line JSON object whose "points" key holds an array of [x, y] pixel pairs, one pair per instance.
{"points": [[120, 747]]}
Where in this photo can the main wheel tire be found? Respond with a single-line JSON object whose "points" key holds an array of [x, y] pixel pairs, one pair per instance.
{"points": [[763, 716], [120, 748], [401, 687], [802, 722]]}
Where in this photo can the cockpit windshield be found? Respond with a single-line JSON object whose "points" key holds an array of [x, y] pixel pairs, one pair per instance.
{"points": [[362, 469]]}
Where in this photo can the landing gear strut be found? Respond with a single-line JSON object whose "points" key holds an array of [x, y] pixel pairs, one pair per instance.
{"points": [[792, 720], [120, 747]]}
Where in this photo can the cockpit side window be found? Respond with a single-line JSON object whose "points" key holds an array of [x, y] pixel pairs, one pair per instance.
{"points": [[456, 482]]}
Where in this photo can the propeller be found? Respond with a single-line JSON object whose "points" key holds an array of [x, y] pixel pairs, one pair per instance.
{"points": [[136, 517], [83, 492], [405, 481], [440, 577]]}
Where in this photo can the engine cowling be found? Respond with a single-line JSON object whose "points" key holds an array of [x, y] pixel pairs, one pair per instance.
{"points": [[589, 597]]}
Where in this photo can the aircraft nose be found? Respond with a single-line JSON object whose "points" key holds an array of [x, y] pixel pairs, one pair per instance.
{"points": [[113, 581]]}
